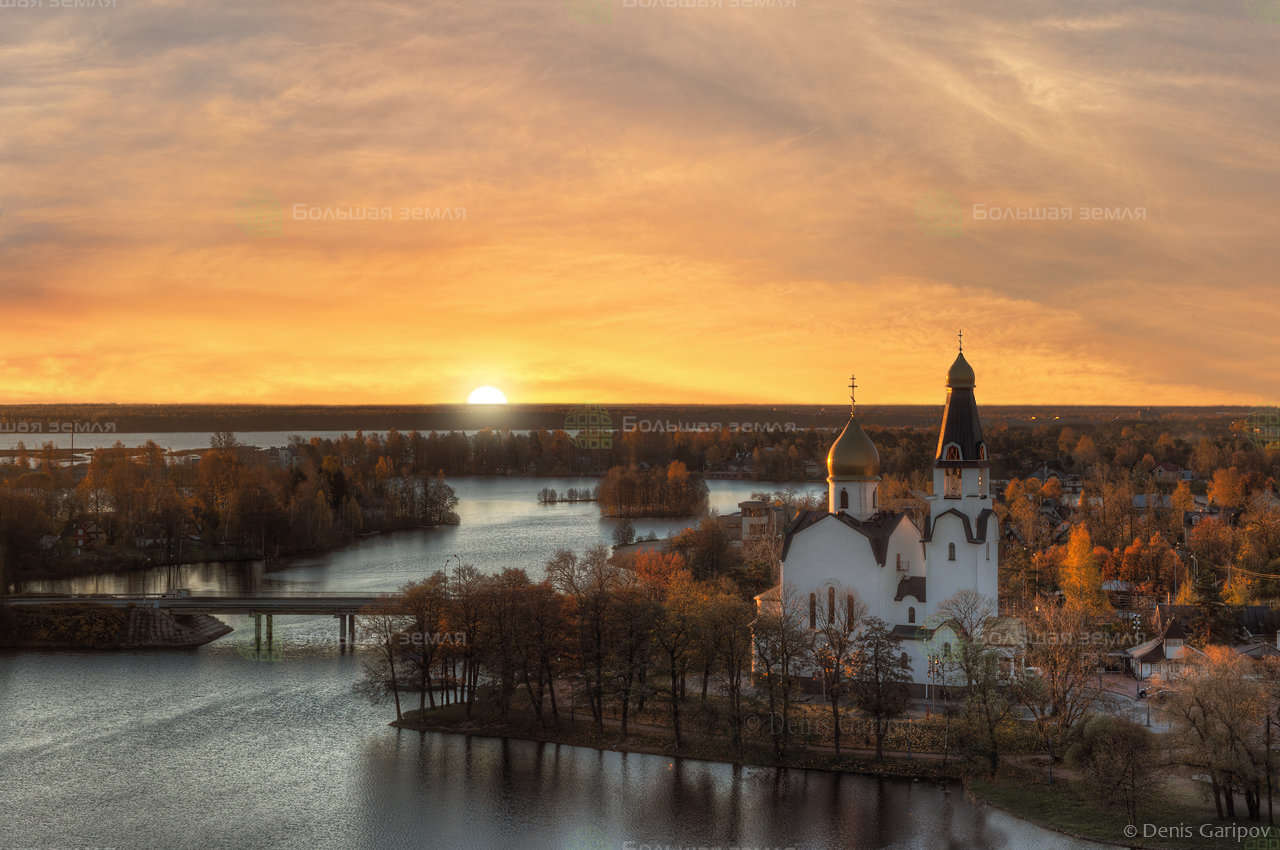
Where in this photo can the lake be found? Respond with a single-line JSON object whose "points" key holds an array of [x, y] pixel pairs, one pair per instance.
{"points": [[215, 748]]}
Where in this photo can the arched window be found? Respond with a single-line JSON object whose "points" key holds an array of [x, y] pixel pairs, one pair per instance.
{"points": [[813, 610], [953, 452], [951, 480], [844, 500], [988, 550], [982, 483], [873, 498], [899, 564], [911, 615], [831, 605], [951, 551]]}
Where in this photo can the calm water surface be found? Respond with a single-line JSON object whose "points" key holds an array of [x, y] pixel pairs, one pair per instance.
{"points": [[214, 748]]}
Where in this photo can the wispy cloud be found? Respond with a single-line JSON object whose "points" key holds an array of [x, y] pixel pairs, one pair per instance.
{"points": [[660, 204]]}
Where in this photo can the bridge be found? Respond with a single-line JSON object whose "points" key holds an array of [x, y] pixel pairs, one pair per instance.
{"points": [[262, 607]]}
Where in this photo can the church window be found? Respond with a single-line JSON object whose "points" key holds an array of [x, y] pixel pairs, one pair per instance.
{"points": [[946, 649], [953, 452], [873, 498], [988, 550], [813, 610], [951, 551], [911, 615], [844, 500], [899, 564], [982, 483], [951, 479], [831, 605]]}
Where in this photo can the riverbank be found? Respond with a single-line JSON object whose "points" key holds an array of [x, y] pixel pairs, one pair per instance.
{"points": [[106, 563], [1021, 790]]}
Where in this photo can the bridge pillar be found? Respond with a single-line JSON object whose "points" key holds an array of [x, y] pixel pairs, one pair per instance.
{"points": [[257, 632], [351, 630], [269, 641]]}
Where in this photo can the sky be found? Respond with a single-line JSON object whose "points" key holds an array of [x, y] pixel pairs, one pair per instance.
{"points": [[639, 200]]}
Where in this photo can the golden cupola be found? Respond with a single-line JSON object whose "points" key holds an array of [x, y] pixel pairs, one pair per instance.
{"points": [[853, 455]]}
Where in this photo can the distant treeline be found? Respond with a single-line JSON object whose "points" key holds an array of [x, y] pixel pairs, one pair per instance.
{"points": [[160, 418], [132, 507]]}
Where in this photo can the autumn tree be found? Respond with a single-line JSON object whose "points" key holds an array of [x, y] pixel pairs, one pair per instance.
{"points": [[1082, 576]]}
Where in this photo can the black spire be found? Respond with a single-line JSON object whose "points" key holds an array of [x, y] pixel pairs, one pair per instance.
{"points": [[960, 441]]}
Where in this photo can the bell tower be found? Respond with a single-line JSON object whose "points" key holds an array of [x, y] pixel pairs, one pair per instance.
{"points": [[961, 536]]}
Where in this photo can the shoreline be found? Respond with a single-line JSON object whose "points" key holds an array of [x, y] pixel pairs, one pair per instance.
{"points": [[898, 765], [916, 770]]}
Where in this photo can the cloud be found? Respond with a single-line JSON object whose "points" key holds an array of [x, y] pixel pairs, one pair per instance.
{"points": [[717, 204]]}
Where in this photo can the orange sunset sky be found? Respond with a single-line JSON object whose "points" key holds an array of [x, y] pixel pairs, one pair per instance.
{"points": [[661, 204]]}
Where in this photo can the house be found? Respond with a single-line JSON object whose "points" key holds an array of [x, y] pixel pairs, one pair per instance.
{"points": [[1170, 473], [756, 520], [1163, 657]]}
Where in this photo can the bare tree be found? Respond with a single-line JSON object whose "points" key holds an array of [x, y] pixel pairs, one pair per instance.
{"points": [[832, 650], [383, 623], [1057, 683], [781, 643], [880, 678]]}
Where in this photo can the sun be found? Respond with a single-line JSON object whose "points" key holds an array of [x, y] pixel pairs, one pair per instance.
{"points": [[487, 395]]}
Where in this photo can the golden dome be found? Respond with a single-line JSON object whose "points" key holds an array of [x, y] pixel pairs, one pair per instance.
{"points": [[961, 375], [853, 455]]}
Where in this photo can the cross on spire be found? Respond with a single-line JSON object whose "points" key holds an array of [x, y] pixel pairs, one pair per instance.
{"points": [[960, 338], [853, 385]]}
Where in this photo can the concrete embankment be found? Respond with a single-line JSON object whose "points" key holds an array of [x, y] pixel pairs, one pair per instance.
{"points": [[100, 627]]}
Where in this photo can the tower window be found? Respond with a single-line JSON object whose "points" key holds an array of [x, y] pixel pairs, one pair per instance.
{"points": [[911, 615], [844, 500], [831, 605], [982, 483], [951, 481], [988, 550], [953, 452], [813, 611], [951, 551]]}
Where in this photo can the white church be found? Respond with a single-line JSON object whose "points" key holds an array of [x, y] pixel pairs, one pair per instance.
{"points": [[900, 572]]}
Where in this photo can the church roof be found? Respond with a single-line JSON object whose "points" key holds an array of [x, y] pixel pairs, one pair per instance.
{"points": [[877, 528], [961, 426], [910, 586], [978, 536]]}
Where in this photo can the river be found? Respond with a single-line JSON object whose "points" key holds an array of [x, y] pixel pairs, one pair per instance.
{"points": [[215, 748]]}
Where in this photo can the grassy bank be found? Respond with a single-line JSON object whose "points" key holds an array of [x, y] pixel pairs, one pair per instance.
{"points": [[1069, 806]]}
